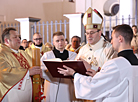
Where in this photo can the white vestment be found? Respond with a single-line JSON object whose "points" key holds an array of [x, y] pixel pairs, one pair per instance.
{"points": [[16, 94], [57, 89], [97, 54], [111, 84]]}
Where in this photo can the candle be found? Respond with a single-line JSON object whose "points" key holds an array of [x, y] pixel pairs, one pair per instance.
{"points": [[36, 78], [36, 57]]}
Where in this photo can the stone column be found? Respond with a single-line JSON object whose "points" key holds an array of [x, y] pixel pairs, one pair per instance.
{"points": [[75, 25], [25, 26], [75, 20]]}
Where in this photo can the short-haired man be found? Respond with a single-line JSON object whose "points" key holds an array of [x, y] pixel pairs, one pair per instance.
{"points": [[58, 89], [15, 69], [75, 43], [113, 82], [24, 44], [37, 39], [134, 42], [97, 51]]}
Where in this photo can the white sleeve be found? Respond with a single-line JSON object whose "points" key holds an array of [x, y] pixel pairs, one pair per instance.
{"points": [[90, 88], [46, 74]]}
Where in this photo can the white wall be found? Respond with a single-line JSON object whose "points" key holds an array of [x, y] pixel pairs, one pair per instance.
{"points": [[44, 9]]}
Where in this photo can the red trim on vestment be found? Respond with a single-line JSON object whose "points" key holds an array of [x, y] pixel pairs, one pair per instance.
{"points": [[42, 52], [22, 63], [22, 60], [13, 86], [20, 84]]}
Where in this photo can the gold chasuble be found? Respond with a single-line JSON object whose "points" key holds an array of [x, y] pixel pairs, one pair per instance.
{"points": [[13, 68], [43, 50], [70, 48]]}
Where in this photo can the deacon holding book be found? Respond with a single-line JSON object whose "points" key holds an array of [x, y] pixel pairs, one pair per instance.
{"points": [[114, 82], [15, 69], [58, 89], [98, 50]]}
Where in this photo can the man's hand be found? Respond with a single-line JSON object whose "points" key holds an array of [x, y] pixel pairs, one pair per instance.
{"points": [[67, 71], [90, 72], [86, 64], [35, 70]]}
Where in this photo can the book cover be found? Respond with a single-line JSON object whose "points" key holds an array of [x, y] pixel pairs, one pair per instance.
{"points": [[53, 64]]}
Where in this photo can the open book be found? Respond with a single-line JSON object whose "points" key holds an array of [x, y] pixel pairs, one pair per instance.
{"points": [[53, 64]]}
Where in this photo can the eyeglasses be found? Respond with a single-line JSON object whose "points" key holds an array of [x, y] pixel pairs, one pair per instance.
{"points": [[91, 32], [25, 42], [38, 39]]}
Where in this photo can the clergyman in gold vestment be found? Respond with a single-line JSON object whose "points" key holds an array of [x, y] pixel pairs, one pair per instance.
{"points": [[15, 69]]}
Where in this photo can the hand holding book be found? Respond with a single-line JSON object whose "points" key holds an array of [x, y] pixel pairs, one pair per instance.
{"points": [[86, 64], [90, 71], [65, 69], [53, 64], [70, 71]]}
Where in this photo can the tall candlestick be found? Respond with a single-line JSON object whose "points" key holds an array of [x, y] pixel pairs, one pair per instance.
{"points": [[36, 78]]}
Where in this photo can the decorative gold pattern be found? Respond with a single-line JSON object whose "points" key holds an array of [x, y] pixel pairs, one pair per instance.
{"points": [[94, 61], [23, 62]]}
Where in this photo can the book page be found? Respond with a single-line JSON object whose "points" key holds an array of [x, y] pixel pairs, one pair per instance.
{"points": [[71, 61], [58, 60], [54, 59]]}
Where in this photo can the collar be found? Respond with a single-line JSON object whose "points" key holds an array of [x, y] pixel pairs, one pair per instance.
{"points": [[61, 51], [63, 55], [58, 50], [16, 51], [124, 53], [38, 47], [33, 46], [7, 48], [98, 45]]}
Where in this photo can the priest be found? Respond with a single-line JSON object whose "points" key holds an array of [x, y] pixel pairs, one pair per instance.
{"points": [[98, 50], [15, 69]]}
